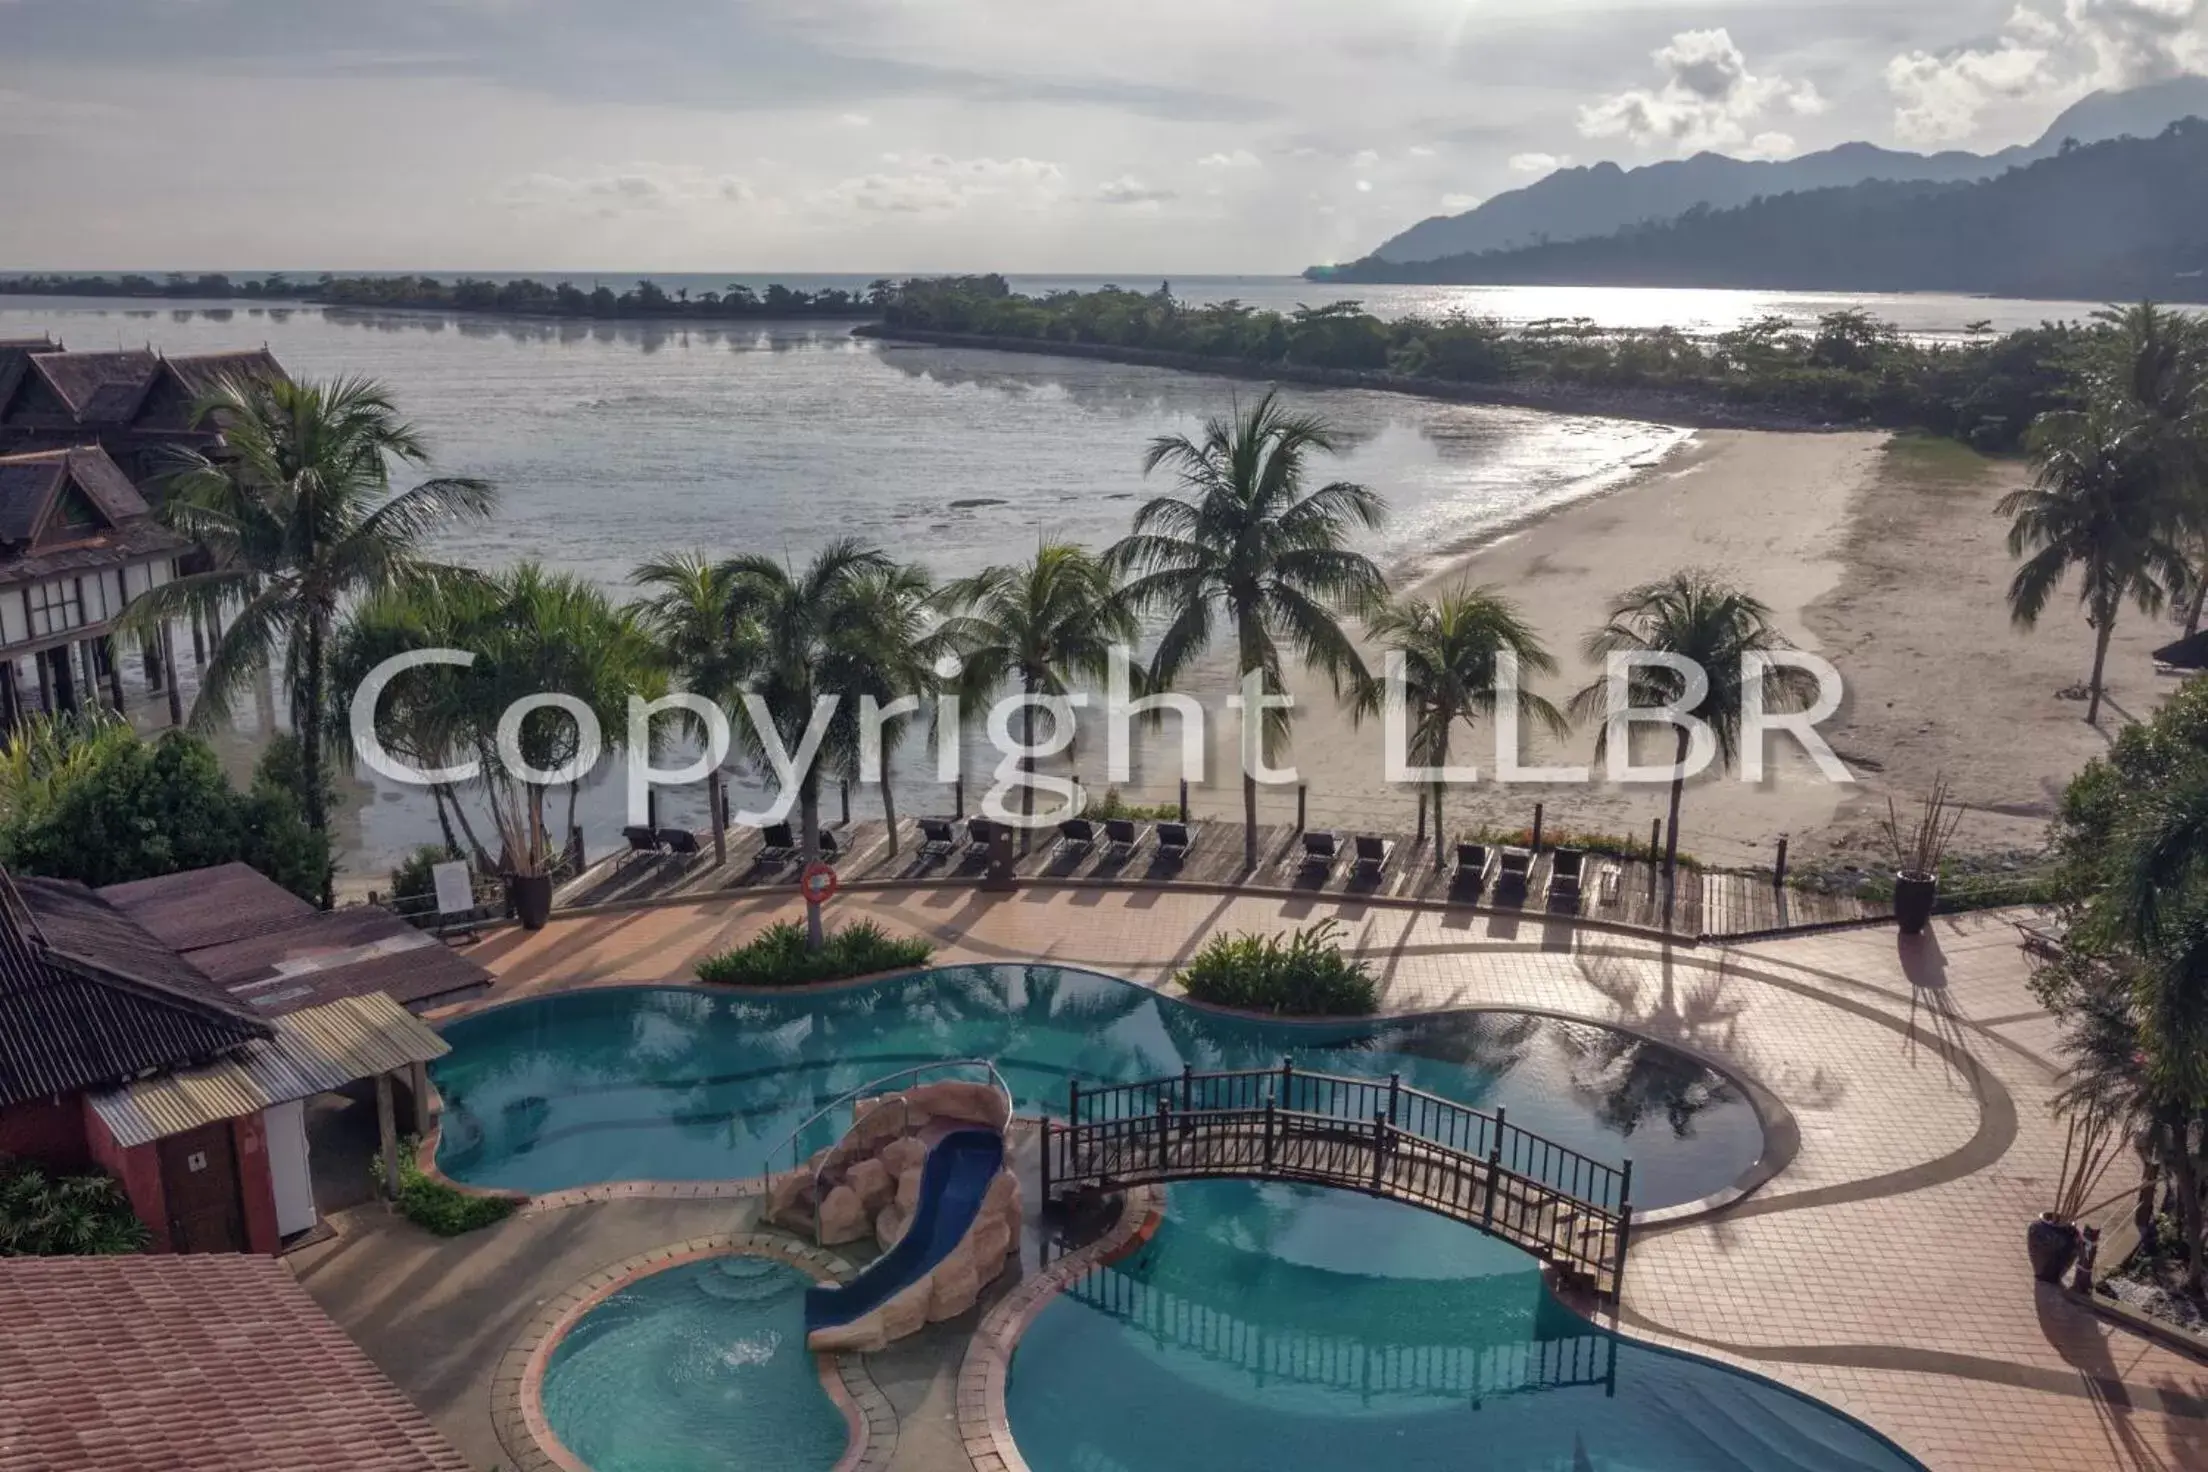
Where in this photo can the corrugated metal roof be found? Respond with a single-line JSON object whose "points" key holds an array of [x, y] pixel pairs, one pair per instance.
{"points": [[314, 1051]]}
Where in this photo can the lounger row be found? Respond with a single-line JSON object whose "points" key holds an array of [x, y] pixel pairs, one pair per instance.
{"points": [[1118, 837], [778, 844], [1511, 868]]}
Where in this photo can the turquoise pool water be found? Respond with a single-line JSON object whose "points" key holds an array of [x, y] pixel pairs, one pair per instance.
{"points": [[696, 1369], [1301, 1330], [681, 1084]]}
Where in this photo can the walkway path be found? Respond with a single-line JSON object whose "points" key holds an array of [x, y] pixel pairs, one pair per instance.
{"points": [[1882, 1269]]}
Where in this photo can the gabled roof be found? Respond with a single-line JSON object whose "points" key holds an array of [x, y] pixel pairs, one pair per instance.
{"points": [[182, 382], [207, 1363], [15, 361], [31, 485], [88, 999], [99, 388]]}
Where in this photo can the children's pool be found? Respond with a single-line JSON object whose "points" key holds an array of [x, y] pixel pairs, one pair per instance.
{"points": [[688, 1084]]}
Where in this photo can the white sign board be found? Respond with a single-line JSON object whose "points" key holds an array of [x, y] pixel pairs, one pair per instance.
{"points": [[455, 892]]}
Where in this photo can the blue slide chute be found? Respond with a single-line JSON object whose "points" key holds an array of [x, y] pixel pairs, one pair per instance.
{"points": [[953, 1183]]}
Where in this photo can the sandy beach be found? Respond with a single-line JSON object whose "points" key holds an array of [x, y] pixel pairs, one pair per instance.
{"points": [[1884, 556]]}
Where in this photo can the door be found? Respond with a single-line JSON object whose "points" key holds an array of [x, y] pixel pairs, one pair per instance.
{"points": [[199, 1175]]}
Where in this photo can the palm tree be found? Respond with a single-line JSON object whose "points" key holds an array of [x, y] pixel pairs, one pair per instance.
{"points": [[2150, 370], [299, 516], [1713, 625], [1045, 625], [701, 642], [1452, 650], [1247, 542], [811, 645], [2100, 503], [897, 642]]}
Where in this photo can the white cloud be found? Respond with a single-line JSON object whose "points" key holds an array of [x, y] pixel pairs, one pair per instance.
{"points": [[934, 183], [2139, 41], [1365, 158], [1364, 186], [1419, 150], [1241, 158], [855, 120], [1938, 99], [1770, 146], [1457, 204], [1539, 163], [1708, 98], [629, 188], [1127, 189]]}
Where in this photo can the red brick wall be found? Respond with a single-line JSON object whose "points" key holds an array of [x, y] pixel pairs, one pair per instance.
{"points": [[49, 1131], [140, 1172], [255, 1184]]}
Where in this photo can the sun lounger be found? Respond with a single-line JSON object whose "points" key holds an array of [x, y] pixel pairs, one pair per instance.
{"points": [[1607, 882], [1473, 860], [1175, 840], [1515, 869], [777, 844], [1122, 836], [1372, 853], [1321, 849], [678, 841], [979, 831], [1077, 833], [642, 840], [937, 837], [1566, 868], [831, 847]]}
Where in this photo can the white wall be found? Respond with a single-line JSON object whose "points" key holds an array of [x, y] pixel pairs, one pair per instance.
{"points": [[287, 1166]]}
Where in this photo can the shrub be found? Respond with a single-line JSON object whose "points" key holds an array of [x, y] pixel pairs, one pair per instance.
{"points": [[415, 879], [1112, 805], [1306, 974], [65, 1216], [777, 956], [437, 1206]]}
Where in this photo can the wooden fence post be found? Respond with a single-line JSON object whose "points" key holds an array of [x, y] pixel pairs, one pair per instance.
{"points": [[1656, 840], [1778, 870], [1540, 811], [1184, 799], [1303, 794]]}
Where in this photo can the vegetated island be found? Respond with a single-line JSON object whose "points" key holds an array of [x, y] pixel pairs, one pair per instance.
{"points": [[1852, 370], [519, 298], [2123, 219]]}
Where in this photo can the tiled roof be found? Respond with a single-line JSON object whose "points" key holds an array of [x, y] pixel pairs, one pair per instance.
{"points": [[271, 951], [213, 1363], [99, 388], [183, 381], [27, 484], [66, 1024]]}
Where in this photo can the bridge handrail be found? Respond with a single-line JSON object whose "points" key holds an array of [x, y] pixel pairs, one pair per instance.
{"points": [[1414, 1111], [874, 1085]]}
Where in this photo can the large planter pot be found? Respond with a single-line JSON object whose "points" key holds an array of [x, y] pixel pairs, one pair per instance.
{"points": [[531, 897], [2052, 1247], [1914, 897]]}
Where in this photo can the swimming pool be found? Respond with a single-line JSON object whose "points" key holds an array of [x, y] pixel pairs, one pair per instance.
{"points": [[695, 1369], [668, 1083], [1292, 1328]]}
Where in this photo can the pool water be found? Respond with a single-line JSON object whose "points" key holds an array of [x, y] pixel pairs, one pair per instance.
{"points": [[1292, 1328], [686, 1084], [696, 1369]]}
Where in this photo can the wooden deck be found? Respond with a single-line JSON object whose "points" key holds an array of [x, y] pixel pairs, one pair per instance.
{"points": [[1710, 906]]}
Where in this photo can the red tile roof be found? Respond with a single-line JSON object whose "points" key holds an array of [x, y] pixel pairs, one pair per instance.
{"points": [[191, 1364]]}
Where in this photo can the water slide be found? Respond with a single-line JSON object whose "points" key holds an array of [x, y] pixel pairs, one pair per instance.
{"points": [[956, 1177]]}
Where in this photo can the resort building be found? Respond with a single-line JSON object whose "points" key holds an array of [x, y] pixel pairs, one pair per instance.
{"points": [[135, 404], [174, 1033], [203, 1364]]}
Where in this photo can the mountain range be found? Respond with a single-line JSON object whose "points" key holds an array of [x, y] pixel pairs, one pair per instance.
{"points": [[1602, 199], [2123, 219]]}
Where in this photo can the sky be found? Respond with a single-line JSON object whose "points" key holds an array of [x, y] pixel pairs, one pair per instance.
{"points": [[1042, 136]]}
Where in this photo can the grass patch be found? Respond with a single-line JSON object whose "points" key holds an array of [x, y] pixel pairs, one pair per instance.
{"points": [[1112, 805], [777, 956], [1306, 974], [438, 1206]]}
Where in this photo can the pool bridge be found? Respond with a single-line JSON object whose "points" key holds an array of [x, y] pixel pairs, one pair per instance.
{"points": [[1359, 1134], [1275, 1354]]}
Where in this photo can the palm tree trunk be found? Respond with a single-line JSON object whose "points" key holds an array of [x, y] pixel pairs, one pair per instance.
{"points": [[1249, 824], [2104, 630], [1027, 792], [889, 802], [717, 815], [444, 819], [1440, 832], [1671, 830], [310, 755], [808, 810], [2199, 600], [481, 854], [2185, 1182], [574, 790]]}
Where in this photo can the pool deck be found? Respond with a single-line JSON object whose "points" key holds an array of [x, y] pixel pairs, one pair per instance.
{"points": [[1881, 1270]]}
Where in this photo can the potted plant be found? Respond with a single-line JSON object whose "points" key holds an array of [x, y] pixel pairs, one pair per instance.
{"points": [[526, 862], [1917, 855], [2095, 1139]]}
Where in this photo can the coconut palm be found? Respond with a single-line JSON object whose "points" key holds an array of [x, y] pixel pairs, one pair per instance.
{"points": [[2150, 369], [896, 641], [1452, 650], [702, 643], [300, 518], [1248, 543], [1710, 623], [1045, 626], [2099, 504], [811, 646]]}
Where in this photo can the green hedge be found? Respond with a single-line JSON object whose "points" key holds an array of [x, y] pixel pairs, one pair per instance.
{"points": [[436, 1206], [1306, 974], [777, 956]]}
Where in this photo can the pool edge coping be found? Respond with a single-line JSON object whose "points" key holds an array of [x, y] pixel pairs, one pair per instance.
{"points": [[517, 1405]]}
